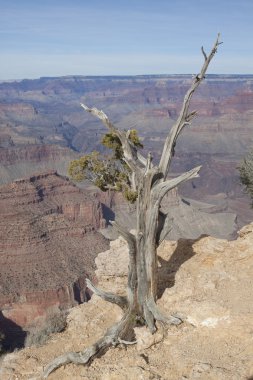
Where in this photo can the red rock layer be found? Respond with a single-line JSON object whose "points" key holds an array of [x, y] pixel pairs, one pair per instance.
{"points": [[31, 153]]}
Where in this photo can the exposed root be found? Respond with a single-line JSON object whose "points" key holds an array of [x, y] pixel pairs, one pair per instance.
{"points": [[110, 297], [84, 357], [79, 357], [171, 320], [126, 342], [149, 318], [120, 333], [113, 337]]}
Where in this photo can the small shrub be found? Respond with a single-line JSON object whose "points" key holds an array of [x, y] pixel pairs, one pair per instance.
{"points": [[54, 323], [246, 174]]}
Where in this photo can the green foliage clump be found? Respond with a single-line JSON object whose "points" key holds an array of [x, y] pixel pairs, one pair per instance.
{"points": [[134, 138], [130, 195], [107, 171], [246, 174], [111, 141], [77, 168]]}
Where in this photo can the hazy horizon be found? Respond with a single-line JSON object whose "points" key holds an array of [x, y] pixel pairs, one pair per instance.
{"points": [[125, 76]]}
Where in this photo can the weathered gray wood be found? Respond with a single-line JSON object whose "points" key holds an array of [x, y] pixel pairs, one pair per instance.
{"points": [[162, 188], [132, 266], [110, 297], [170, 320], [184, 116], [114, 336], [128, 236]]}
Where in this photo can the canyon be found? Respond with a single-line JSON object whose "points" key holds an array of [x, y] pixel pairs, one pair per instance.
{"points": [[50, 237], [49, 226], [44, 115]]}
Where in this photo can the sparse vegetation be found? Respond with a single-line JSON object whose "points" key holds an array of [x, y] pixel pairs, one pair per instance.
{"points": [[246, 174], [55, 322], [108, 171]]}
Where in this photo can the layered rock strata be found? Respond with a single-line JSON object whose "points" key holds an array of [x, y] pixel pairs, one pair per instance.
{"points": [[47, 111], [48, 242], [23, 161]]}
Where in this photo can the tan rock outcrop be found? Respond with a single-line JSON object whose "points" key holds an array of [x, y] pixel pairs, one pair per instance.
{"points": [[207, 281]]}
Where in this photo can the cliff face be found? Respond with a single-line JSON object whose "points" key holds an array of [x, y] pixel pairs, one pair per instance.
{"points": [[48, 242], [207, 281], [22, 161], [17, 110]]}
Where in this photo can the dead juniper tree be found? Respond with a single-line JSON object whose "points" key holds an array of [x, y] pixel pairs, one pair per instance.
{"points": [[147, 183]]}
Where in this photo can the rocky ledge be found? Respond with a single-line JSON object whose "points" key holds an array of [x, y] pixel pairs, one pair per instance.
{"points": [[207, 281]]}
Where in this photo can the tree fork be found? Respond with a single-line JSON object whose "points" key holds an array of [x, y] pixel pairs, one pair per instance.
{"points": [[152, 225]]}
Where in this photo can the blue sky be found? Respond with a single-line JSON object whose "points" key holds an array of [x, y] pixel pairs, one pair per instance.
{"points": [[122, 37]]}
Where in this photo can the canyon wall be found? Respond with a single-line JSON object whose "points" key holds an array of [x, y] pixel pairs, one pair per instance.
{"points": [[27, 159], [48, 242]]}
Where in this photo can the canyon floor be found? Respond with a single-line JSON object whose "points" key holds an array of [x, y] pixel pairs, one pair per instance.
{"points": [[207, 281]]}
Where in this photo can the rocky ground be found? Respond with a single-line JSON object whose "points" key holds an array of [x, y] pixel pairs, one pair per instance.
{"points": [[208, 281]]}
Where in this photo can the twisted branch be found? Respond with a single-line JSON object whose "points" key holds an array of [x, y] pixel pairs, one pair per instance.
{"points": [[114, 336], [184, 117], [171, 320], [162, 188], [107, 296]]}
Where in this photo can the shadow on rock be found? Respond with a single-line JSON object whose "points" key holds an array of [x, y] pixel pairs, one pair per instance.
{"points": [[14, 335], [167, 272], [108, 214]]}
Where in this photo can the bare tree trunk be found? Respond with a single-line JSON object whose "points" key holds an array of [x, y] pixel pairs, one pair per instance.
{"points": [[146, 248], [152, 226]]}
